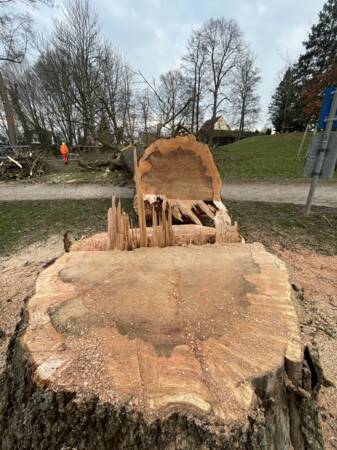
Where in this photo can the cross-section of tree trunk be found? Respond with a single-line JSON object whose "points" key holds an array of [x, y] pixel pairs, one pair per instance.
{"points": [[180, 168], [158, 348], [181, 172]]}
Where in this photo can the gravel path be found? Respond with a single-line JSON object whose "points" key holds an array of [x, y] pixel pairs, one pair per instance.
{"points": [[326, 195], [9, 192]]}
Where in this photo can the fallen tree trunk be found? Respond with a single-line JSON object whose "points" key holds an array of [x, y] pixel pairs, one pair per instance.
{"points": [[180, 168], [123, 161], [181, 172], [176, 348], [93, 165]]}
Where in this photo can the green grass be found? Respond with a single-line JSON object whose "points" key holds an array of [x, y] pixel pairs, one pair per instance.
{"points": [[26, 222], [263, 158], [58, 172], [285, 225], [23, 223]]}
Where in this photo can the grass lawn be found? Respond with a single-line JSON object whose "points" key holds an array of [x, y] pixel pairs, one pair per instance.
{"points": [[271, 158], [23, 223], [72, 173]]}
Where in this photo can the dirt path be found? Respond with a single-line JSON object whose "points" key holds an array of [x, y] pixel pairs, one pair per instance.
{"points": [[296, 193]]}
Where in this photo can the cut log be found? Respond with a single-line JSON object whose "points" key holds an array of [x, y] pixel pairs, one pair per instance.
{"points": [[184, 234], [180, 172], [180, 168], [172, 348]]}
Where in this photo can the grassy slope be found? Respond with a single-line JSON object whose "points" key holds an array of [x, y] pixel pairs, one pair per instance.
{"points": [[262, 157], [22, 223]]}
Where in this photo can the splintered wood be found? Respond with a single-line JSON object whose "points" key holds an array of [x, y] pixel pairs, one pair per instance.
{"points": [[140, 203], [160, 210], [123, 236], [180, 172]]}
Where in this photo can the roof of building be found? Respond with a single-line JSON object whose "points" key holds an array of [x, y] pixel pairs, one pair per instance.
{"points": [[208, 126]]}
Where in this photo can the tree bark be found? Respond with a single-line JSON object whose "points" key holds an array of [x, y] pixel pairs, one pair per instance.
{"points": [[8, 112]]}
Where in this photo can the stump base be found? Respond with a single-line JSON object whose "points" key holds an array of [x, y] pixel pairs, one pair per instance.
{"points": [[173, 348]]}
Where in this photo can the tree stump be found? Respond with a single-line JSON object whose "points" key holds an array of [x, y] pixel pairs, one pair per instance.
{"points": [[158, 348]]}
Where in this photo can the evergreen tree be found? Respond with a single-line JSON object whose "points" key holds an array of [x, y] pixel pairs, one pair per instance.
{"points": [[321, 47], [285, 107], [317, 66], [298, 97]]}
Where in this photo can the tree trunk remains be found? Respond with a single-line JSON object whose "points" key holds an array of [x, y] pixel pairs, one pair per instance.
{"points": [[182, 172], [163, 348]]}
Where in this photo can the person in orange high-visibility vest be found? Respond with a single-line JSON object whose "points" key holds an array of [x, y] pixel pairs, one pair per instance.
{"points": [[64, 150]]}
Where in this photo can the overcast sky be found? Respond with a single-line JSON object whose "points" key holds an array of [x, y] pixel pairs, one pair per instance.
{"points": [[153, 33]]}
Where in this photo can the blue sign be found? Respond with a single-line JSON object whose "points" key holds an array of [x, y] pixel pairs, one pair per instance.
{"points": [[325, 108]]}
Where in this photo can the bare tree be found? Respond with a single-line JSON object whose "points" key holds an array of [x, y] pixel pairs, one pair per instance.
{"points": [[77, 82], [174, 98], [116, 94], [77, 45], [244, 98], [15, 32], [172, 101], [223, 43], [194, 65], [145, 103]]}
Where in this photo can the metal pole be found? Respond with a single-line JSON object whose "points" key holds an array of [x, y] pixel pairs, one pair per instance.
{"points": [[321, 154]]}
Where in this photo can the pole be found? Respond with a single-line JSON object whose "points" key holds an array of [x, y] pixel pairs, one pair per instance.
{"points": [[321, 154], [302, 141]]}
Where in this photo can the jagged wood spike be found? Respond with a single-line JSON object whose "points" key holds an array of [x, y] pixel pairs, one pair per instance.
{"points": [[140, 203], [176, 211], [109, 241], [206, 209], [113, 222], [163, 221], [170, 225], [185, 207], [154, 228]]}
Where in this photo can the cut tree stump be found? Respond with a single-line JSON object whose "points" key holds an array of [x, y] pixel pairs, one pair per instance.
{"points": [[158, 348]]}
